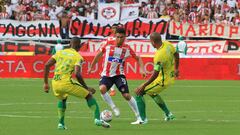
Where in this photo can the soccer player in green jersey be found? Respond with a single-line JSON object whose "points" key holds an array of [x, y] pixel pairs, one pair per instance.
{"points": [[166, 61], [67, 61]]}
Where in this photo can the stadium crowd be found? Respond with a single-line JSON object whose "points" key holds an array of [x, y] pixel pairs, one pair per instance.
{"points": [[190, 11]]}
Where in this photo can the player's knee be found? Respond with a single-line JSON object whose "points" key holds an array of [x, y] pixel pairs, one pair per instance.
{"points": [[103, 89], [89, 96], [126, 96]]}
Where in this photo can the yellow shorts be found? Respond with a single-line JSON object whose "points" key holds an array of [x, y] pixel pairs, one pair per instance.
{"points": [[157, 87], [62, 89]]}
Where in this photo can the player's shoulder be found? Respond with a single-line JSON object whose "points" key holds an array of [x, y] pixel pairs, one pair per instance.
{"points": [[167, 42], [126, 45], [111, 39]]}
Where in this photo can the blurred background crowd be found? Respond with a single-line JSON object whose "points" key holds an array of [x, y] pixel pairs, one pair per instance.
{"points": [[185, 11]]}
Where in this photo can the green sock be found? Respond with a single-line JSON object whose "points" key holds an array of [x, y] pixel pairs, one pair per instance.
{"points": [[92, 104], [159, 101], [61, 110], [141, 106]]}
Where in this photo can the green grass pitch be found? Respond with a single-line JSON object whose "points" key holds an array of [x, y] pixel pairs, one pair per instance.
{"points": [[200, 107]]}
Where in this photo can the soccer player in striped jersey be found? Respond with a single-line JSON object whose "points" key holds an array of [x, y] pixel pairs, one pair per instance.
{"points": [[114, 55], [67, 61], [112, 39], [166, 61]]}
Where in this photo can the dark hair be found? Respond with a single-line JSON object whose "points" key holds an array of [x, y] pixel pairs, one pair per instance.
{"points": [[115, 25], [120, 30], [76, 41]]}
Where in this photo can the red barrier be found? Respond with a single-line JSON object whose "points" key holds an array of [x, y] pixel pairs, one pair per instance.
{"points": [[190, 68]]}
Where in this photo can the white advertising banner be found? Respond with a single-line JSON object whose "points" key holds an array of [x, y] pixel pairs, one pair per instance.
{"points": [[33, 30], [196, 49], [204, 30], [129, 11], [108, 12], [136, 28]]}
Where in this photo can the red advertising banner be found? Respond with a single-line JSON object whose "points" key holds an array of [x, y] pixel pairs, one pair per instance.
{"points": [[191, 69]]}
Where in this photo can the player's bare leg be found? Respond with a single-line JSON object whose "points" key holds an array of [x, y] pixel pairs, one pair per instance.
{"points": [[112, 91]]}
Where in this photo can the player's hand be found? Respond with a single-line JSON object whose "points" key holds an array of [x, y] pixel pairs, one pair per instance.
{"points": [[176, 73], [89, 71], [92, 90], [144, 74], [46, 87]]}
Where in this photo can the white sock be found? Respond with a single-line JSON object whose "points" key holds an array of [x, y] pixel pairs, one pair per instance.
{"points": [[133, 104], [108, 99]]}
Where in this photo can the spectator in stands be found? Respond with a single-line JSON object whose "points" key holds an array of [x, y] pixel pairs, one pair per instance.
{"points": [[81, 9], [232, 3], [38, 15], [231, 13], [165, 14], [237, 19], [142, 9], [46, 15], [225, 7], [4, 14], [59, 8], [64, 24], [23, 16], [176, 16], [53, 13], [152, 14], [8, 8]]}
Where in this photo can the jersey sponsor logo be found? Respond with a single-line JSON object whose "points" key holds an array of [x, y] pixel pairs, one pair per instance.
{"points": [[113, 59], [67, 54]]}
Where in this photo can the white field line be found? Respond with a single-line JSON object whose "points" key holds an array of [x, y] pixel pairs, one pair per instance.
{"points": [[122, 118], [41, 103], [117, 101]]}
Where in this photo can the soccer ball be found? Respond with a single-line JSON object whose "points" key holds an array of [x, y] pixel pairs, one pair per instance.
{"points": [[106, 115]]}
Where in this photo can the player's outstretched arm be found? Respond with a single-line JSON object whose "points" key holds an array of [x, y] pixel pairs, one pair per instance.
{"points": [[47, 67], [140, 62], [95, 60], [81, 80], [77, 71], [139, 90]]}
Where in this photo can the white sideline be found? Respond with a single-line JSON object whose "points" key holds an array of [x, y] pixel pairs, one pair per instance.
{"points": [[54, 103], [39, 103]]}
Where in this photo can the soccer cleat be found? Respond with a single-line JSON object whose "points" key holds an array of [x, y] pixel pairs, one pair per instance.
{"points": [[102, 123], [169, 117], [61, 126], [140, 121], [112, 92], [116, 111], [145, 121], [137, 122]]}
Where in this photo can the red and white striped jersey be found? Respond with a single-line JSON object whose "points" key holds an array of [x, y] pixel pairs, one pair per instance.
{"points": [[114, 58]]}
